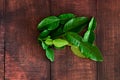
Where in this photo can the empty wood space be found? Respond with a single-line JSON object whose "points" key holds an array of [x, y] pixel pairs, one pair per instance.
{"points": [[21, 57]]}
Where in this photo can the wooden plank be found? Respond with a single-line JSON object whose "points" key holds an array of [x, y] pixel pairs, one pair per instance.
{"points": [[66, 65], [25, 59], [108, 13], [1, 41]]}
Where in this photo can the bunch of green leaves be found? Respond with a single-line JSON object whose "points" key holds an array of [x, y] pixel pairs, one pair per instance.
{"points": [[63, 30]]}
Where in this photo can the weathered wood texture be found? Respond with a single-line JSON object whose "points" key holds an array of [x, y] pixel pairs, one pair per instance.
{"points": [[2, 30], [108, 38], [25, 60], [67, 66]]}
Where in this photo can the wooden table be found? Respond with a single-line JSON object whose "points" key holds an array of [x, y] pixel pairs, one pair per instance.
{"points": [[21, 57]]}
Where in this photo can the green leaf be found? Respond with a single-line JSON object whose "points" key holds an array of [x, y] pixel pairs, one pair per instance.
{"points": [[49, 23], [48, 37], [50, 54], [57, 32], [59, 47], [49, 41], [76, 51], [76, 24], [92, 24], [53, 26], [90, 51], [60, 42], [87, 49], [65, 17], [44, 46], [44, 33], [73, 38], [89, 36]]}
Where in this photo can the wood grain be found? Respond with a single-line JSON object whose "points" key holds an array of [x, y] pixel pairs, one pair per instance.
{"points": [[2, 31], [66, 65], [108, 38], [25, 59]]}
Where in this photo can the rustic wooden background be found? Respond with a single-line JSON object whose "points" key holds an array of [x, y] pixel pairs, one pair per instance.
{"points": [[21, 58]]}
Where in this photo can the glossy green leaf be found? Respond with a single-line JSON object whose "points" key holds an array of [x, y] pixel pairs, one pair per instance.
{"points": [[53, 26], [48, 37], [49, 23], [50, 54], [65, 17], [73, 38], [76, 24], [60, 42], [87, 49], [49, 41], [57, 32], [76, 51], [89, 36], [44, 46], [92, 24], [90, 51], [44, 33]]}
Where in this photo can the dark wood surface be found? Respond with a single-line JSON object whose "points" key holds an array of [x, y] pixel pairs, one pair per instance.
{"points": [[1, 40], [25, 60], [108, 39], [21, 57]]}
